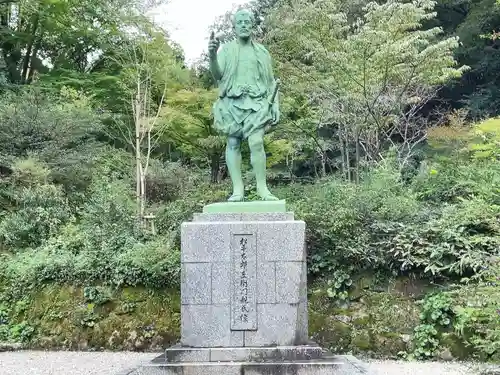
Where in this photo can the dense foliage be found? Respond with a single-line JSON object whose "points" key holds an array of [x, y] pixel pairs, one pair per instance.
{"points": [[389, 149]]}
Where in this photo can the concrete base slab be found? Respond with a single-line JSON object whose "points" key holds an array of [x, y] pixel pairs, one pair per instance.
{"points": [[304, 360]]}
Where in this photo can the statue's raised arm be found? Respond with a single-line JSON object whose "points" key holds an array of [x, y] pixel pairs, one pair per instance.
{"points": [[213, 47]]}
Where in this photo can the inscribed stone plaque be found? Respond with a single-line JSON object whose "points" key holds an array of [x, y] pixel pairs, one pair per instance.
{"points": [[243, 275]]}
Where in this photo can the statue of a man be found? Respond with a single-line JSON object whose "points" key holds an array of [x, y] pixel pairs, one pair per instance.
{"points": [[247, 103]]}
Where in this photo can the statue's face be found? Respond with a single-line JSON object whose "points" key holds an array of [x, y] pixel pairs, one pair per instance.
{"points": [[243, 24]]}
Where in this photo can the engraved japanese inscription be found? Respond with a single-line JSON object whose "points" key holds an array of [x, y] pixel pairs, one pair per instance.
{"points": [[243, 300], [244, 281]]}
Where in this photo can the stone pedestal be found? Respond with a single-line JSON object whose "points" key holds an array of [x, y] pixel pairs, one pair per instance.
{"points": [[244, 297], [243, 281]]}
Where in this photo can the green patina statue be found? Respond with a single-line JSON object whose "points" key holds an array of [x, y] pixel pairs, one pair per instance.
{"points": [[247, 105]]}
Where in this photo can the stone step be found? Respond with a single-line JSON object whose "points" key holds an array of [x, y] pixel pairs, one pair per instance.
{"points": [[334, 365], [250, 354], [313, 367]]}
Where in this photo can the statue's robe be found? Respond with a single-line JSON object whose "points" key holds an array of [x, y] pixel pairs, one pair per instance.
{"points": [[245, 89]]}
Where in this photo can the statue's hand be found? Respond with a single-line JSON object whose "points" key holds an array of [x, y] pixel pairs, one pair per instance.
{"points": [[213, 45]]}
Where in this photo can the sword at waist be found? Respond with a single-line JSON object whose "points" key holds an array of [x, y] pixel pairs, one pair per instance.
{"points": [[275, 92]]}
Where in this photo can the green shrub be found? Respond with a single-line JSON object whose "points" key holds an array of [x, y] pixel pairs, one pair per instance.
{"points": [[453, 242], [451, 180], [191, 200], [102, 246], [382, 225], [36, 213], [167, 182], [468, 169], [485, 143], [477, 313], [61, 130], [340, 215], [109, 209], [155, 264], [470, 312]]}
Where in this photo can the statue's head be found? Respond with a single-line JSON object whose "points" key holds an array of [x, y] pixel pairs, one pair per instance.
{"points": [[243, 23]]}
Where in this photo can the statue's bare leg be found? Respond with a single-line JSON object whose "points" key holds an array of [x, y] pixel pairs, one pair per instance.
{"points": [[258, 160], [233, 161]]}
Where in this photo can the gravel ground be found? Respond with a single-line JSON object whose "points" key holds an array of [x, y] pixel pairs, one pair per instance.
{"points": [[422, 368], [85, 363]]}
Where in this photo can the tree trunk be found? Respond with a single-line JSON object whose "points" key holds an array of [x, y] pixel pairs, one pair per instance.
{"points": [[143, 196], [342, 153], [347, 158], [214, 168], [138, 160], [29, 49], [323, 163], [32, 67], [10, 51], [357, 154], [290, 164]]}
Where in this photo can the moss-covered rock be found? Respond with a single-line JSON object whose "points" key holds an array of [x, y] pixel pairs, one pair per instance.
{"points": [[456, 346], [376, 323], [132, 319]]}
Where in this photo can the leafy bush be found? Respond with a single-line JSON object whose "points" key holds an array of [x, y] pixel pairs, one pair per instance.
{"points": [[486, 145], [191, 200], [449, 180], [455, 242], [469, 169], [167, 182], [155, 264], [382, 224], [102, 245], [339, 216], [470, 312], [36, 209], [59, 129], [21, 332]]}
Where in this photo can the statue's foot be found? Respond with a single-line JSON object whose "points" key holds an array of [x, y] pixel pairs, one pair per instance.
{"points": [[267, 196], [236, 198]]}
